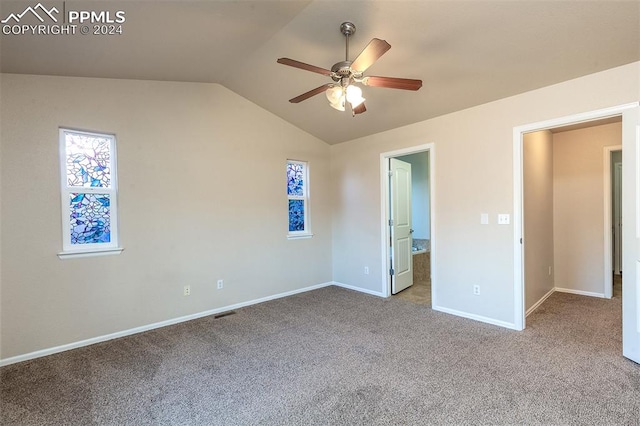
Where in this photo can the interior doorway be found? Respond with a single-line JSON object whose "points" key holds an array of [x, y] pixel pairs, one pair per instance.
{"points": [[567, 203], [624, 112], [412, 253]]}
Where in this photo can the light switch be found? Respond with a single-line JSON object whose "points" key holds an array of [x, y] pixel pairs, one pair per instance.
{"points": [[484, 218], [503, 219]]}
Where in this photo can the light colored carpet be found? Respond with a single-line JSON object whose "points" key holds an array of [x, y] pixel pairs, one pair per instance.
{"points": [[337, 357]]}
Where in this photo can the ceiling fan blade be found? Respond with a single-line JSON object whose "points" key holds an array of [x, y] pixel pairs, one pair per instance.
{"points": [[310, 93], [392, 82], [303, 66], [360, 109], [370, 54]]}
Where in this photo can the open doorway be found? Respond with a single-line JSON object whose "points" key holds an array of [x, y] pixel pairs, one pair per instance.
{"points": [[408, 223], [566, 209], [522, 269]]}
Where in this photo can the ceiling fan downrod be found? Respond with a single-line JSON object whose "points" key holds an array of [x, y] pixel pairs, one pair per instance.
{"points": [[348, 29]]}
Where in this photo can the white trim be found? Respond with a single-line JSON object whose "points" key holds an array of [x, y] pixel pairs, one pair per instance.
{"points": [[359, 289], [580, 292], [384, 213], [474, 317], [518, 131], [608, 220], [540, 302], [519, 314], [136, 330], [300, 236], [76, 254]]}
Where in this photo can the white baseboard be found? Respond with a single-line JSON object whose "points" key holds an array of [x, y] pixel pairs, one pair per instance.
{"points": [[540, 302], [359, 289], [580, 292], [136, 330], [474, 317]]}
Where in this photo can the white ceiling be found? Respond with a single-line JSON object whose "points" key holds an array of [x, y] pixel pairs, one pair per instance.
{"points": [[466, 52]]}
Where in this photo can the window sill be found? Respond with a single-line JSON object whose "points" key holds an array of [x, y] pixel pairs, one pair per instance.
{"points": [[299, 236], [76, 254]]}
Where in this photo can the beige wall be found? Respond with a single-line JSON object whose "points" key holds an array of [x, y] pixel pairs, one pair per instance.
{"points": [[538, 215], [185, 220], [202, 196], [578, 168], [473, 165]]}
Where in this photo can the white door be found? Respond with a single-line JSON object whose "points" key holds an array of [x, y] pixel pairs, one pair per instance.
{"points": [[631, 234], [401, 238]]}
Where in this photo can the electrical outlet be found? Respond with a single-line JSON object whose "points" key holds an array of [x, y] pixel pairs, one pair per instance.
{"points": [[504, 219], [220, 284], [476, 290], [549, 270], [366, 270], [187, 290]]}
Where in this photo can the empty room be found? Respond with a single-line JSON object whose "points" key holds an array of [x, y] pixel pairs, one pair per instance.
{"points": [[319, 212]]}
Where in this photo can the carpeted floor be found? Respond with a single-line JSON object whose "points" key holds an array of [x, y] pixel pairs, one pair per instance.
{"points": [[337, 357]]}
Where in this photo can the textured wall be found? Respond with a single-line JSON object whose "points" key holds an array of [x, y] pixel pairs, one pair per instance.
{"points": [[473, 162], [578, 169], [202, 193], [537, 191]]}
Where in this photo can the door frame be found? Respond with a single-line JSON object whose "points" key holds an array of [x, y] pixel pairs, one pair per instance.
{"points": [[384, 214], [518, 193], [616, 166], [608, 220]]}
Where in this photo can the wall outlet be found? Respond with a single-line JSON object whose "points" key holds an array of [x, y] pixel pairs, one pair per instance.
{"points": [[220, 284], [366, 270], [504, 219], [484, 218], [476, 290], [549, 270], [187, 290]]}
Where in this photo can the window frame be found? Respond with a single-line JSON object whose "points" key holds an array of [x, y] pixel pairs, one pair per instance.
{"points": [[93, 249], [306, 233]]}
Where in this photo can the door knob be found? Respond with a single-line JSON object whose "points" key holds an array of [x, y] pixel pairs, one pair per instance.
{"points": [[411, 231]]}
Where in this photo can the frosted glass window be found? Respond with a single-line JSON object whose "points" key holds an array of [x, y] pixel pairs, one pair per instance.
{"points": [[298, 196], [88, 189]]}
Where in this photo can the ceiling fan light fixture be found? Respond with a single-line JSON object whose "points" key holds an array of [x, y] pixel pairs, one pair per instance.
{"points": [[354, 95], [339, 104], [336, 97], [334, 93]]}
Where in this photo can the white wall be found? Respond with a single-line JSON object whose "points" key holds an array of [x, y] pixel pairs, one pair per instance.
{"points": [[202, 196], [578, 169], [473, 165], [420, 193], [538, 215]]}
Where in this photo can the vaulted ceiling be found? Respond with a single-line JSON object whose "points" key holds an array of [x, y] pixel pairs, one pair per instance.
{"points": [[466, 52]]}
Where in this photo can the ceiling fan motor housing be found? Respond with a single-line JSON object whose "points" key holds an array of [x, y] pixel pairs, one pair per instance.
{"points": [[341, 70]]}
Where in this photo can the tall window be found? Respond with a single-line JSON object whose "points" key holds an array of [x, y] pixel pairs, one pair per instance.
{"points": [[298, 195], [88, 190]]}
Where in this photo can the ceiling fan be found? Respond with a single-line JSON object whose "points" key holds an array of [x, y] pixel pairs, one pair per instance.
{"points": [[346, 74]]}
